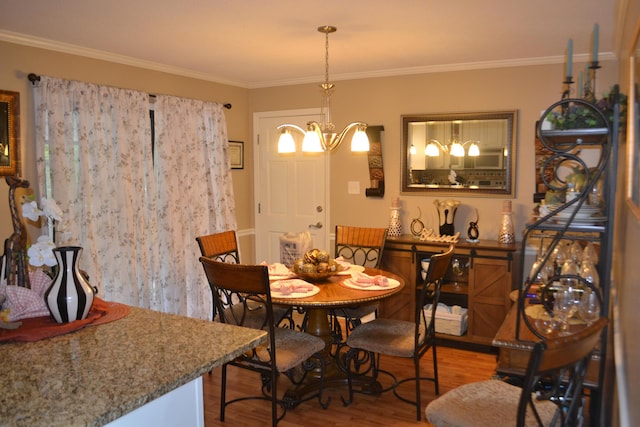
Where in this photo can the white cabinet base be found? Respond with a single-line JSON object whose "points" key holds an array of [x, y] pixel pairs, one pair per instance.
{"points": [[182, 407]]}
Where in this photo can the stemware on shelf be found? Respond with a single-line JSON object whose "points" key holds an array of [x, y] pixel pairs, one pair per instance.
{"points": [[589, 308], [458, 270], [564, 307], [575, 252], [589, 273], [590, 253]]}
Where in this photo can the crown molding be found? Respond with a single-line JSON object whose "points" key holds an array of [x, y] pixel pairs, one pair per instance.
{"points": [[71, 49], [42, 43]]}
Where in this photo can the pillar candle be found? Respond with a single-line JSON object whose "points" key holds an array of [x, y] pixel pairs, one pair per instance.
{"points": [[569, 57], [596, 31]]}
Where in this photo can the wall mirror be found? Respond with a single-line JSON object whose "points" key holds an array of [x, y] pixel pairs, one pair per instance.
{"points": [[472, 153]]}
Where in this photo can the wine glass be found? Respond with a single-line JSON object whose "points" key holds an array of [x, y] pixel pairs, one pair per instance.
{"points": [[589, 273], [590, 253], [544, 322], [564, 307], [458, 270], [589, 308]]}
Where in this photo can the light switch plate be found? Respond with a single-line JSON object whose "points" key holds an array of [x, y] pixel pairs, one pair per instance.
{"points": [[354, 187]]}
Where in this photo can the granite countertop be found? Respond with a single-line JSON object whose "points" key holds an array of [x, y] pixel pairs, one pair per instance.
{"points": [[97, 374]]}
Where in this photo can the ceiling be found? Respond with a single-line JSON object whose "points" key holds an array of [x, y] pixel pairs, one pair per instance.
{"points": [[260, 43]]}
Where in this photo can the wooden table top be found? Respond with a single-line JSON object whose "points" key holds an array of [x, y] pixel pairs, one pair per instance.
{"points": [[334, 294]]}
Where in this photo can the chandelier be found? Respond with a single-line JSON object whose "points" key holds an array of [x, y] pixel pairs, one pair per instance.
{"points": [[455, 148], [320, 137]]}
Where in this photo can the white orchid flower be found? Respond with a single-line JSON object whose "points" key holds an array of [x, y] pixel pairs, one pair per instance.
{"points": [[30, 210], [51, 209], [41, 253]]}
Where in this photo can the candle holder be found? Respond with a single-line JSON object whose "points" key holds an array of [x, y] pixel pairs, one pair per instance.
{"points": [[590, 92], [567, 92]]}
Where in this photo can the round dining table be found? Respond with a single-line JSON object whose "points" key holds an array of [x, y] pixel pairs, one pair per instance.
{"points": [[335, 293]]}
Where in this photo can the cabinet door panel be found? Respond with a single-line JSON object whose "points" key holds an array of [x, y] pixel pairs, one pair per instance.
{"points": [[489, 296], [402, 305]]}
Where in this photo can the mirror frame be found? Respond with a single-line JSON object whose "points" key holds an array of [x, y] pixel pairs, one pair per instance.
{"points": [[512, 118]]}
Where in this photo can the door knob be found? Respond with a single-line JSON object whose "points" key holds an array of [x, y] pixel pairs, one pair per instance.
{"points": [[316, 225]]}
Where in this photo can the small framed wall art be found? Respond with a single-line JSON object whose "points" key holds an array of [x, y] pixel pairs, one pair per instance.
{"points": [[9, 132], [236, 154]]}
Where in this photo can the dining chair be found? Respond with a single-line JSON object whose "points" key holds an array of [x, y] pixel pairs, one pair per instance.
{"points": [[400, 338], [559, 363], [360, 246], [223, 247], [289, 352]]}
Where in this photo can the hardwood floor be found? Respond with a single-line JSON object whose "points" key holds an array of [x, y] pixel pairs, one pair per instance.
{"points": [[455, 367]]}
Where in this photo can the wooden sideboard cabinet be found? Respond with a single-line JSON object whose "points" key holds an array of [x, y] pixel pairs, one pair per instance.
{"points": [[490, 273]]}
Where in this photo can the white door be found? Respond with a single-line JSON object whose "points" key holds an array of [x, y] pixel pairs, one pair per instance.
{"points": [[291, 190]]}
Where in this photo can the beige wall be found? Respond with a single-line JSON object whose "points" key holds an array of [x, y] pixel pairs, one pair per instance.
{"points": [[381, 101]]}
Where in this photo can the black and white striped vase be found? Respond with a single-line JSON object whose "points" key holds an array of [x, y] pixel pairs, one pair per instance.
{"points": [[70, 295]]}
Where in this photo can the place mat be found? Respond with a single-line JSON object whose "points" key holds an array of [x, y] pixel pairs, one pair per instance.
{"points": [[294, 288], [353, 284], [38, 328]]}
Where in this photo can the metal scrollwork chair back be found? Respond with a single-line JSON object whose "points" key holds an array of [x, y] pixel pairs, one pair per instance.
{"points": [[290, 352]]}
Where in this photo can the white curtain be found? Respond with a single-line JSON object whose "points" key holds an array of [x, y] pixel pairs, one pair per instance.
{"points": [[195, 195], [135, 216]]}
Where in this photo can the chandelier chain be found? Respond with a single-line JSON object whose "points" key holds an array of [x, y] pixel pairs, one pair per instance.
{"points": [[326, 58]]}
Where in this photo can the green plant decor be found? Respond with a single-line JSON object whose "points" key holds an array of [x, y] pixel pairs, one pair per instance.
{"points": [[582, 116]]}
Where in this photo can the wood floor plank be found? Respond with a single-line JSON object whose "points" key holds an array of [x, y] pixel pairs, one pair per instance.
{"points": [[455, 366]]}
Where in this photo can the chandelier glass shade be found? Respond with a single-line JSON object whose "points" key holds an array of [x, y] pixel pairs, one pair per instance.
{"points": [[455, 149], [321, 136]]}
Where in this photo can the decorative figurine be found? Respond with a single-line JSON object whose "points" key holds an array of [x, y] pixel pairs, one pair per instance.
{"points": [[416, 225], [472, 231]]}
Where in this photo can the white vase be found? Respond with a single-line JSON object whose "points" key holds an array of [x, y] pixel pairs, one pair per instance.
{"points": [[395, 226], [70, 295]]}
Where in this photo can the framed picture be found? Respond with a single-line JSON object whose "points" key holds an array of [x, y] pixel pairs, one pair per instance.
{"points": [[633, 128], [236, 154], [9, 132]]}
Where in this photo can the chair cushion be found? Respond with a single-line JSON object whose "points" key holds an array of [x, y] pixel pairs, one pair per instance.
{"points": [[484, 403], [386, 336], [292, 348]]}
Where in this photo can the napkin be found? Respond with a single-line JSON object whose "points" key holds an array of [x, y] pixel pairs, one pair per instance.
{"points": [[345, 264], [24, 303], [364, 280], [287, 287], [277, 269]]}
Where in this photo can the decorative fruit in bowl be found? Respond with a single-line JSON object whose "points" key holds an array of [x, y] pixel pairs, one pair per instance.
{"points": [[316, 265]]}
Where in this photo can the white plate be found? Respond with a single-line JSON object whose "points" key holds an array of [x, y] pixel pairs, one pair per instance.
{"points": [[578, 215], [273, 276], [350, 283], [582, 221], [277, 294]]}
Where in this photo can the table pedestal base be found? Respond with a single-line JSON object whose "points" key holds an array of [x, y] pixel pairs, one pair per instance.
{"points": [[334, 375]]}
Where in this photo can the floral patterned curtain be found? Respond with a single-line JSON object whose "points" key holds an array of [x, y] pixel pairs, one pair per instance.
{"points": [[195, 195], [135, 216]]}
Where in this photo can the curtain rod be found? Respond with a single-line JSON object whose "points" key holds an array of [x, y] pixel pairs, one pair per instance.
{"points": [[33, 78]]}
